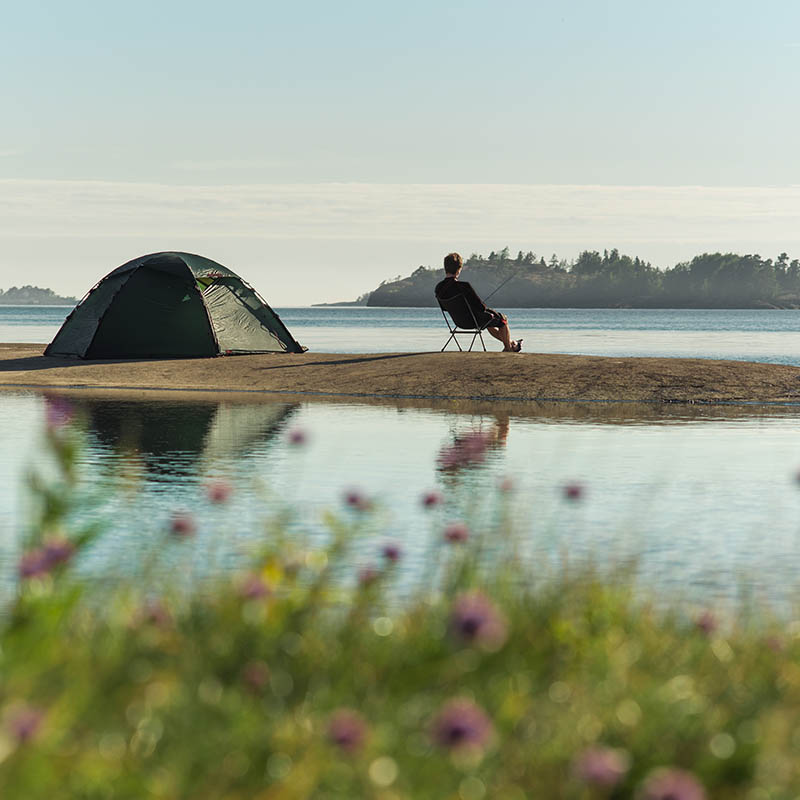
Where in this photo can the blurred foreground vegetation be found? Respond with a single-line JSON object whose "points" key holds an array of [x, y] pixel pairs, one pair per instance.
{"points": [[608, 280], [300, 679]]}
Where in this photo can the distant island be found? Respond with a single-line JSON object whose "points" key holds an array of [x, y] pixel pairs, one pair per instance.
{"points": [[609, 280], [33, 296], [359, 301]]}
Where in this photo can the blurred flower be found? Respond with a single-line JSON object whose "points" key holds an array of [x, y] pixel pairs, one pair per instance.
{"points": [[357, 500], [182, 524], [431, 499], [255, 675], [392, 552], [58, 412], [461, 723], [368, 575], [602, 766], [466, 450], [668, 783], [347, 729], [456, 532], [706, 622], [252, 587], [42, 560], [505, 484], [219, 491], [297, 437], [25, 723], [155, 613], [775, 643], [475, 619], [573, 491]]}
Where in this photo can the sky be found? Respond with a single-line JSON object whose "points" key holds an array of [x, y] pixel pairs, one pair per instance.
{"points": [[319, 148]]}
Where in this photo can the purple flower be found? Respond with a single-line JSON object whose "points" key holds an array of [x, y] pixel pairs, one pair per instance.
{"points": [[706, 622], [44, 559], [475, 619], [456, 532], [461, 724], [573, 491], [357, 500], [668, 783], [506, 484], [219, 491], [368, 575], [58, 412], [255, 675], [253, 587], [182, 524], [297, 437], [392, 552], [347, 729], [602, 766], [431, 499], [25, 723], [154, 612]]}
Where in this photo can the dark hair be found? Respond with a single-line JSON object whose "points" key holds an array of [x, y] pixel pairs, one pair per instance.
{"points": [[452, 263]]}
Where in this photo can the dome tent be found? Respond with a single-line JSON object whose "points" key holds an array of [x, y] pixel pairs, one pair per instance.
{"points": [[171, 305]]}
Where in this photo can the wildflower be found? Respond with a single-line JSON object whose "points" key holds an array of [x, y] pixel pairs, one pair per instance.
{"points": [[505, 484], [602, 766], [255, 675], [347, 729], [431, 499], [252, 587], [155, 613], [43, 560], [182, 524], [219, 491], [706, 622], [669, 783], [58, 412], [456, 532], [392, 552], [461, 723], [357, 500], [25, 723], [368, 575], [475, 619], [297, 437], [573, 491]]}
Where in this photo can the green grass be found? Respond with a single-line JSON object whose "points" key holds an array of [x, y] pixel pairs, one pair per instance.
{"points": [[285, 682]]}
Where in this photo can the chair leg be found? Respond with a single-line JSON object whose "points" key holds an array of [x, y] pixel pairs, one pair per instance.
{"points": [[480, 333]]}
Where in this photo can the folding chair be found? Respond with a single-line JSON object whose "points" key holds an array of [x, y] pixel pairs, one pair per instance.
{"points": [[463, 319]]}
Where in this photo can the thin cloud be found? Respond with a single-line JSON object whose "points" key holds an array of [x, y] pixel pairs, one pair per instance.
{"points": [[225, 164], [583, 215]]}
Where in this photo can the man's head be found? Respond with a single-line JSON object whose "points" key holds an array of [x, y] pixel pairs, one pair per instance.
{"points": [[452, 263]]}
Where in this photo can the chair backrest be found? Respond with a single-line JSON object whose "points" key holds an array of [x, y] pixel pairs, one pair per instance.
{"points": [[460, 311]]}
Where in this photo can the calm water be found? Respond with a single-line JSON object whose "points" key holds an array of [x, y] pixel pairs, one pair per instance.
{"points": [[706, 501], [768, 335]]}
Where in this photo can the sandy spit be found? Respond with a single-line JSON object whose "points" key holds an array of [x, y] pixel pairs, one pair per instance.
{"points": [[474, 376]]}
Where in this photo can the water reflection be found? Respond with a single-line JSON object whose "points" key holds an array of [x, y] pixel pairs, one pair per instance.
{"points": [[687, 492]]}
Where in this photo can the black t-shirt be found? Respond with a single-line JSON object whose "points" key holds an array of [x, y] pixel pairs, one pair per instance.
{"points": [[450, 287]]}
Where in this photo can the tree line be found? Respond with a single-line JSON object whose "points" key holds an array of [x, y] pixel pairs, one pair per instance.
{"points": [[610, 280], [33, 296]]}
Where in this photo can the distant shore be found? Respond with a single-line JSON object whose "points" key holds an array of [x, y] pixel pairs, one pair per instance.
{"points": [[452, 375]]}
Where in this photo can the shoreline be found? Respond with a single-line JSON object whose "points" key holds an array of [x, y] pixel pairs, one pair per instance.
{"points": [[477, 377]]}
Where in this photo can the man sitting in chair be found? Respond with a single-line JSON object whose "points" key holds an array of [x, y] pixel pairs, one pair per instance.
{"points": [[495, 322]]}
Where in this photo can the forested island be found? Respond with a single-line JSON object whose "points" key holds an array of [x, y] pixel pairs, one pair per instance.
{"points": [[610, 280], [33, 296]]}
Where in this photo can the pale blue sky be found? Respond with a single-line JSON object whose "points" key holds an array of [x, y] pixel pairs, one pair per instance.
{"points": [[193, 94]]}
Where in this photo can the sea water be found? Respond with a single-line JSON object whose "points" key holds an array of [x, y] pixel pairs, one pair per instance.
{"points": [[748, 335]]}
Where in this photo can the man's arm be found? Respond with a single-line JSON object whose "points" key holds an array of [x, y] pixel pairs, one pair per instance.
{"points": [[476, 304]]}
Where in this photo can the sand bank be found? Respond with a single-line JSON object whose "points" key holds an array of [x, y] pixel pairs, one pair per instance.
{"points": [[473, 376]]}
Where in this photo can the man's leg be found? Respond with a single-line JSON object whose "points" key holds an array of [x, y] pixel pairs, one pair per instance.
{"points": [[503, 334]]}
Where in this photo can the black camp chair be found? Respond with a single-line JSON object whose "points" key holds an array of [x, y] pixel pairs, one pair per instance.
{"points": [[463, 323]]}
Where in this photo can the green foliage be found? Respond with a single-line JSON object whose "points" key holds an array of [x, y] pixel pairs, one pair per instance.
{"points": [[290, 682], [711, 280]]}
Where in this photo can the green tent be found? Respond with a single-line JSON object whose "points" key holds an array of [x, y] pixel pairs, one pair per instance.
{"points": [[171, 305]]}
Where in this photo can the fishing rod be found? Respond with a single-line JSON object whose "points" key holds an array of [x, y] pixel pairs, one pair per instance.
{"points": [[502, 285]]}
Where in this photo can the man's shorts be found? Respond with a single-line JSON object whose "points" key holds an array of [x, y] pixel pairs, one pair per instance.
{"points": [[493, 319]]}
